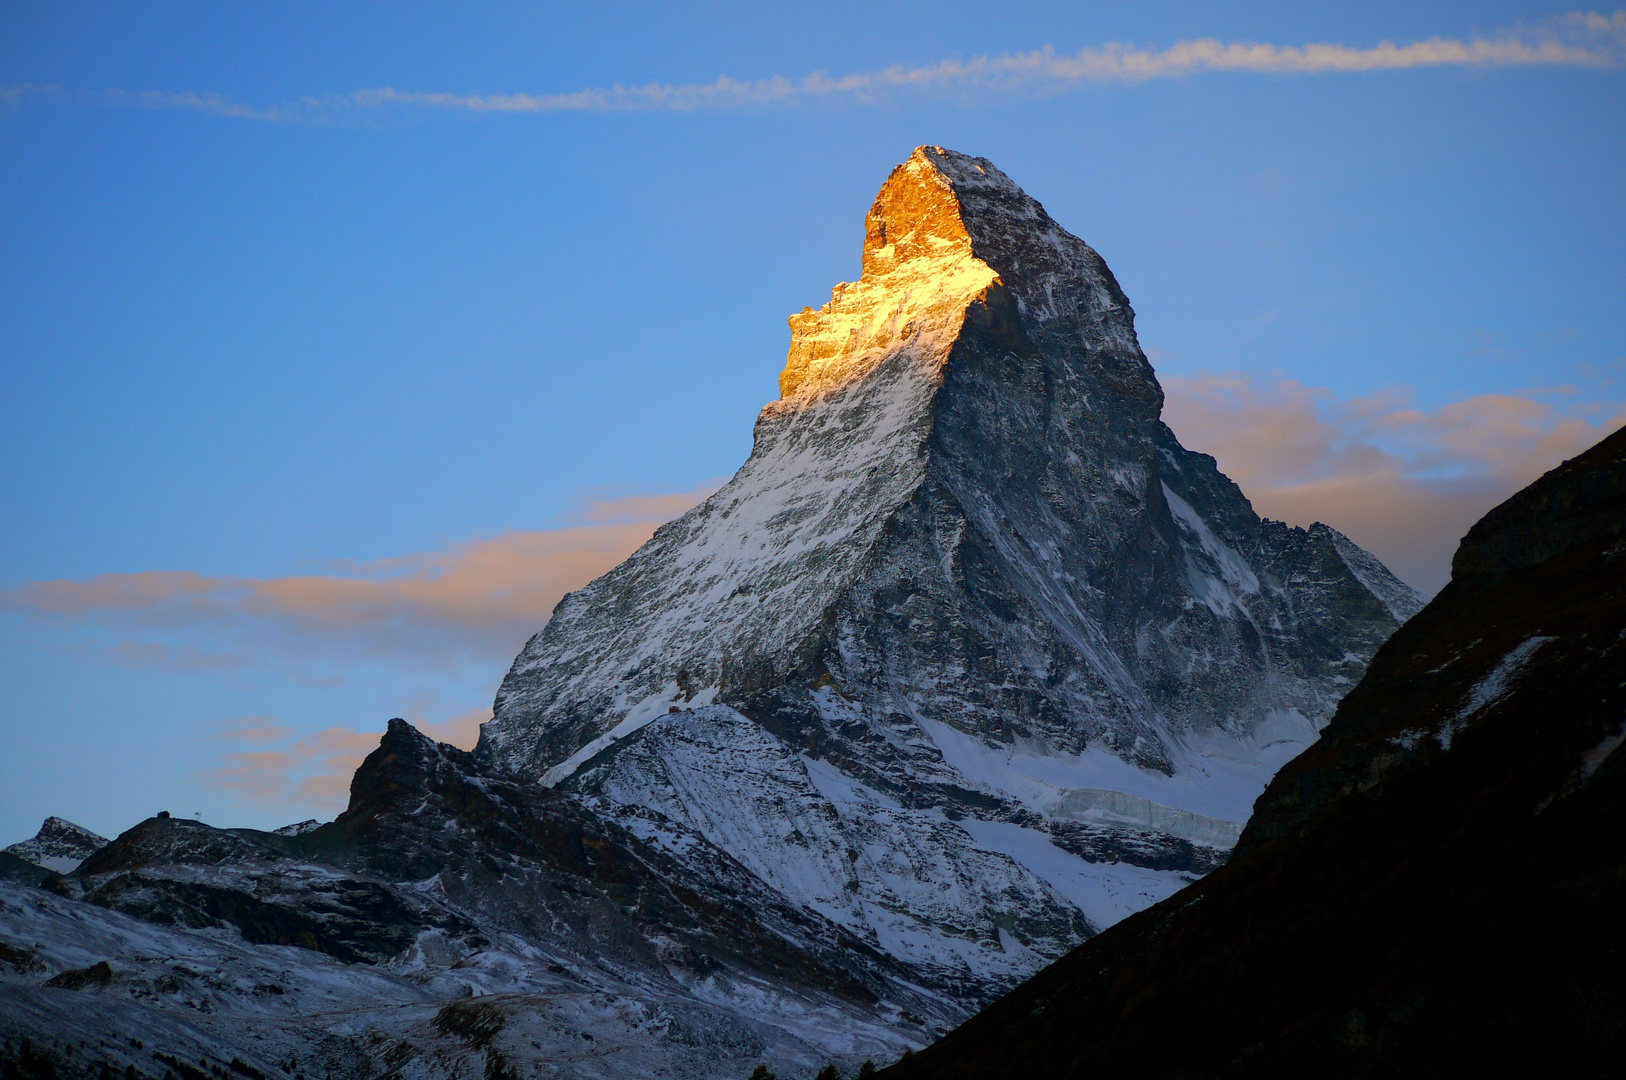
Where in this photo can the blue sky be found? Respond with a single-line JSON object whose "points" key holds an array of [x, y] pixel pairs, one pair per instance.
{"points": [[326, 361]]}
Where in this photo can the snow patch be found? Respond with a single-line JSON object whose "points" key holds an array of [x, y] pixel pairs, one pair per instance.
{"points": [[1104, 892], [1216, 780], [1490, 689], [640, 716], [1236, 576]]}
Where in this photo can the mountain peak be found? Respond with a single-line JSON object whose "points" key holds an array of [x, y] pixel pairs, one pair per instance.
{"points": [[918, 213], [951, 236], [60, 845], [940, 197], [966, 575], [920, 273]]}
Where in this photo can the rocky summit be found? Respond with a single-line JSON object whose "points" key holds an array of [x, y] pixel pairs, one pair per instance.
{"points": [[971, 656]]}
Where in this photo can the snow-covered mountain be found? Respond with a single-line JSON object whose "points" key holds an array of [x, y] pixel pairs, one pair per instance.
{"points": [[970, 660], [971, 645]]}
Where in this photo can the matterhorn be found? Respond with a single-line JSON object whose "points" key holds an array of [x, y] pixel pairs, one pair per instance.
{"points": [[971, 656]]}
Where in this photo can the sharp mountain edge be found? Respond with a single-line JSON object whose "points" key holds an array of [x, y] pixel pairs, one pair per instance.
{"points": [[59, 846], [969, 661]]}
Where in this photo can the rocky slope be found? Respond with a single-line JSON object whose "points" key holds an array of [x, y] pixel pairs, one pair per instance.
{"points": [[970, 646], [1433, 888], [453, 921]]}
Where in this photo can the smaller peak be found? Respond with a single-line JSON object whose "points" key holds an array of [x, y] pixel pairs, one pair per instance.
{"points": [[400, 736], [58, 838], [400, 729], [400, 771], [56, 824], [59, 846]]}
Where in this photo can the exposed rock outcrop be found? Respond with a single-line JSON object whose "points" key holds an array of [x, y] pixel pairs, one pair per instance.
{"points": [[59, 846]]}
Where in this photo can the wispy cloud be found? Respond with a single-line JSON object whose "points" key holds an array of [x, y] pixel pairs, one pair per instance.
{"points": [[306, 109], [476, 601], [14, 94], [1577, 40], [1402, 481]]}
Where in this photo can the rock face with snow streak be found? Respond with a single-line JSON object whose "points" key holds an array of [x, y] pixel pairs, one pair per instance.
{"points": [[970, 644], [1433, 888]]}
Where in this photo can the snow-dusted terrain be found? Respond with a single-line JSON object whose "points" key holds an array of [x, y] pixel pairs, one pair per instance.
{"points": [[970, 646], [453, 922]]}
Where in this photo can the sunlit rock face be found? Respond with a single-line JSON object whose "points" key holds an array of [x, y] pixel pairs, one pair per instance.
{"points": [[970, 656]]}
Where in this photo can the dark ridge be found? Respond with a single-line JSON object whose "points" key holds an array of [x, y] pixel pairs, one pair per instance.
{"points": [[1582, 500]]}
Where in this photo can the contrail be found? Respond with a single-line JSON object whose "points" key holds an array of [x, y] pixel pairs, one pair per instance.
{"points": [[1575, 40]]}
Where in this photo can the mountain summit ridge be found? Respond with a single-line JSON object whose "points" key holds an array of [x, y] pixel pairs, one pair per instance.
{"points": [[953, 228], [967, 574]]}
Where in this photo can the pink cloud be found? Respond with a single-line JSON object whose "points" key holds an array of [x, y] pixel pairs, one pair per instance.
{"points": [[308, 770], [478, 600], [474, 602], [1401, 481]]}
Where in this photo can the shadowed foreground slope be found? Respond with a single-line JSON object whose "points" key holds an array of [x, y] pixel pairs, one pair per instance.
{"points": [[1433, 888]]}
